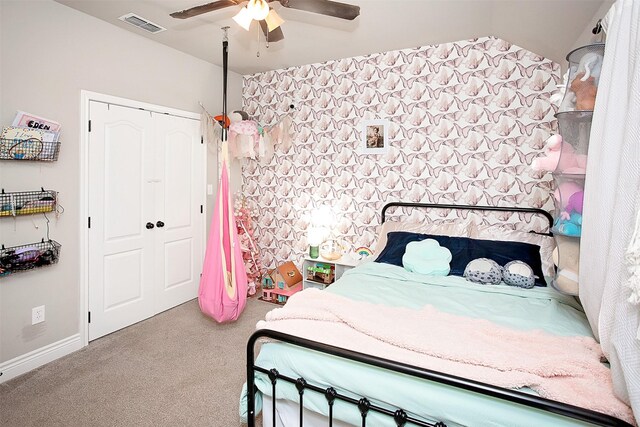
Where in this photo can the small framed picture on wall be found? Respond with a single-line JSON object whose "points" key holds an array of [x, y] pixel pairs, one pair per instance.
{"points": [[375, 136]]}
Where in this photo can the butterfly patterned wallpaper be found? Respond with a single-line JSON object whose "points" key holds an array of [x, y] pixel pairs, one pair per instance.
{"points": [[466, 119]]}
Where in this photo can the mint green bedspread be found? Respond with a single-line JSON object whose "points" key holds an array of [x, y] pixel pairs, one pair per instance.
{"points": [[538, 308]]}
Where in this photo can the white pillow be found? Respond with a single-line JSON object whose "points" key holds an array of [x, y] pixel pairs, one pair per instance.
{"points": [[437, 227], [496, 232]]}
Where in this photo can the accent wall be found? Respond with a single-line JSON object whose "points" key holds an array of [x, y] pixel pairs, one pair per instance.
{"points": [[465, 120]]}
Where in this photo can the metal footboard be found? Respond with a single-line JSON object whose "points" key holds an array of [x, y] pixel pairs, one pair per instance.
{"points": [[400, 417]]}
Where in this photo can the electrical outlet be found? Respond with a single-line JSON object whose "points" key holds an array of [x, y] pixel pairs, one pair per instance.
{"points": [[37, 315]]}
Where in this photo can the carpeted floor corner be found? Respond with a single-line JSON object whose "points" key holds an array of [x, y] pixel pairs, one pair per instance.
{"points": [[178, 368]]}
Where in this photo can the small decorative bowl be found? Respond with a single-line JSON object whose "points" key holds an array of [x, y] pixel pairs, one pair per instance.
{"points": [[331, 250]]}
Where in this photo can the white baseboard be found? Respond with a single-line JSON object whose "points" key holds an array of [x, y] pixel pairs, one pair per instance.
{"points": [[36, 358]]}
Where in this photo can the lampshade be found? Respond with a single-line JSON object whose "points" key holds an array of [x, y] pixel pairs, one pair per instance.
{"points": [[315, 236], [322, 216], [259, 9], [243, 18], [273, 20]]}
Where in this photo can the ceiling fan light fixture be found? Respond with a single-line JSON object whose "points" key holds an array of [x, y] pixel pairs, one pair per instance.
{"points": [[273, 20], [259, 9], [243, 18]]}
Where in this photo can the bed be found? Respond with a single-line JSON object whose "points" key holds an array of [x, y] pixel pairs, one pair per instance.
{"points": [[312, 372]]}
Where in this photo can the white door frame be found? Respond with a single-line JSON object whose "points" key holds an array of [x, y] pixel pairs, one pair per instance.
{"points": [[85, 98]]}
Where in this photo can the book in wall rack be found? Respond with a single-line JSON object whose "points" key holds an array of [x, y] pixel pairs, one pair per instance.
{"points": [[29, 149]]}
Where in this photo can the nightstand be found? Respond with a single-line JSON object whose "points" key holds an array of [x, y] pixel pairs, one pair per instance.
{"points": [[325, 272]]}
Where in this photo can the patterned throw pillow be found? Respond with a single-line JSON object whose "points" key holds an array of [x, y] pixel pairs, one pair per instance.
{"points": [[483, 270], [517, 273]]}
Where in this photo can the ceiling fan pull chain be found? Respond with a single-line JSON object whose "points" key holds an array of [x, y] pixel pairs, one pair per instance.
{"points": [[258, 51]]}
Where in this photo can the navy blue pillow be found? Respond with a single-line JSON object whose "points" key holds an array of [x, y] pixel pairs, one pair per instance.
{"points": [[463, 250]]}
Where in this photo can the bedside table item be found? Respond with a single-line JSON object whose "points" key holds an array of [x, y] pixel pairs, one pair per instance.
{"points": [[314, 251], [331, 250], [315, 236], [362, 252], [321, 272]]}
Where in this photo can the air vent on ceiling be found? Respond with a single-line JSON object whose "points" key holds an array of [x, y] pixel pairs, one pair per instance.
{"points": [[142, 23]]}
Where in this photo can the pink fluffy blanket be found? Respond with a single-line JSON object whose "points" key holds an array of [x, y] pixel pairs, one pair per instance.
{"points": [[566, 369]]}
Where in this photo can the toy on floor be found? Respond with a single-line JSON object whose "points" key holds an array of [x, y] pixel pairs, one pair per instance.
{"points": [[560, 157], [282, 282]]}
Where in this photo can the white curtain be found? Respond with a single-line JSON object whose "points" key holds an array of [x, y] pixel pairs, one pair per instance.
{"points": [[612, 200]]}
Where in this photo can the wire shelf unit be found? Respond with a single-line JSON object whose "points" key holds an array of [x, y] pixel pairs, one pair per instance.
{"points": [[29, 149], [27, 202], [17, 259]]}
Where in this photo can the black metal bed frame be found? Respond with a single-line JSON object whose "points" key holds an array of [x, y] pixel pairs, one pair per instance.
{"points": [[534, 211], [400, 417]]}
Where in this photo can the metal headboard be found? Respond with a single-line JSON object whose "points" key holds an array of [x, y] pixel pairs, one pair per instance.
{"points": [[534, 211]]}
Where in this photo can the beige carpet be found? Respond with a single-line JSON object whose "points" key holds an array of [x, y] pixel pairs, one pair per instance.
{"points": [[178, 368]]}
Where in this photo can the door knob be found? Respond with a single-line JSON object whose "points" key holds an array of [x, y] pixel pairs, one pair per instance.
{"points": [[149, 225], [160, 224]]}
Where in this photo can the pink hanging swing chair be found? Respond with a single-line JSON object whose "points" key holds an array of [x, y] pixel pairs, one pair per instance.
{"points": [[223, 285]]}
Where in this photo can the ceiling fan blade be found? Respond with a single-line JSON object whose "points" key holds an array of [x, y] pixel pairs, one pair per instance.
{"points": [[324, 7], [274, 36], [204, 8]]}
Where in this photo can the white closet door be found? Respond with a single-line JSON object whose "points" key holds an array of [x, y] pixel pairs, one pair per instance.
{"points": [[121, 248], [179, 198]]}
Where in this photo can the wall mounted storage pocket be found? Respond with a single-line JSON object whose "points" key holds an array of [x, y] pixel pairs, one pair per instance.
{"points": [[16, 259], [27, 202]]}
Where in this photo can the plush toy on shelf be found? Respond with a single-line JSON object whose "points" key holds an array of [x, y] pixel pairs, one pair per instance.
{"points": [[571, 226], [581, 92], [585, 89], [574, 205], [569, 196], [560, 156], [566, 279]]}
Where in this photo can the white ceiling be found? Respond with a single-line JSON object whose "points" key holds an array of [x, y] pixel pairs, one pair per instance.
{"points": [[546, 27]]}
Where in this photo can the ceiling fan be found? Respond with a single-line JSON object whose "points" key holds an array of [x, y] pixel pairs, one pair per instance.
{"points": [[270, 21]]}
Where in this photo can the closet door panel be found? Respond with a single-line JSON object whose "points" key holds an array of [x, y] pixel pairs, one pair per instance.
{"points": [[179, 196], [123, 192], [121, 248]]}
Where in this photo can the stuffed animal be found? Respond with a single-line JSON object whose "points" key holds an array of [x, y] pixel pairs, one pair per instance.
{"points": [[568, 263], [563, 193], [570, 227], [585, 89], [574, 205], [581, 93], [561, 157]]}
